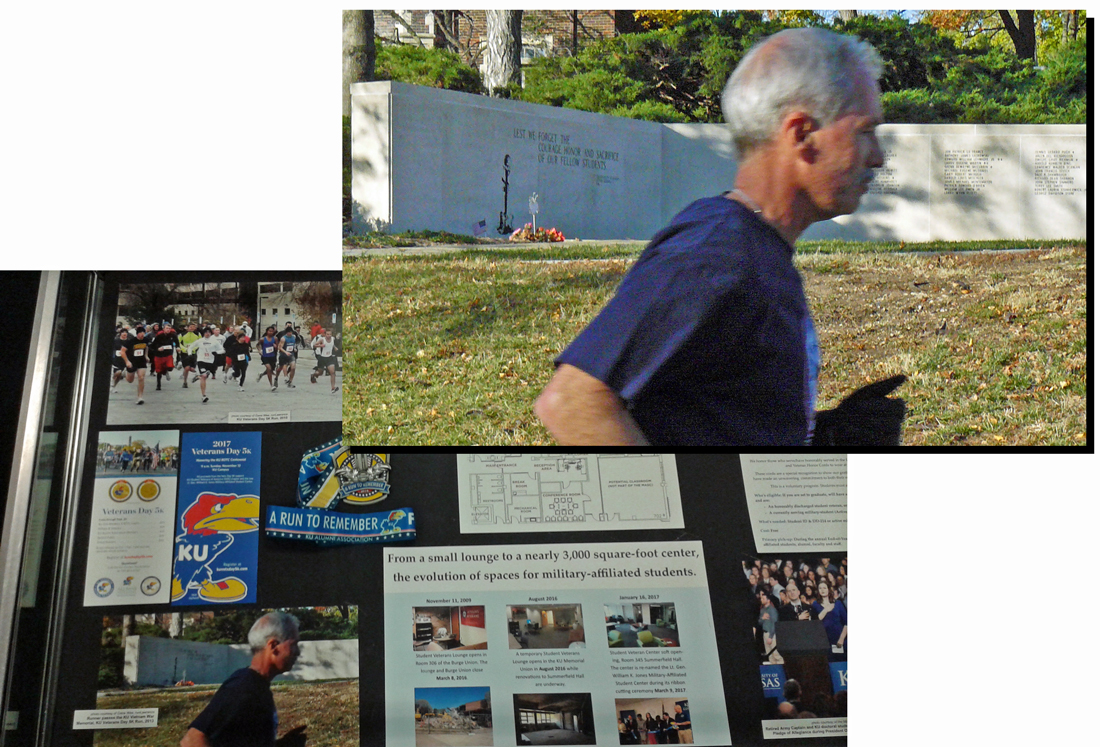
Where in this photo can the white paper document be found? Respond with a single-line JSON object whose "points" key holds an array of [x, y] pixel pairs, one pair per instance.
{"points": [[536, 644], [567, 492], [133, 510], [116, 718], [797, 503]]}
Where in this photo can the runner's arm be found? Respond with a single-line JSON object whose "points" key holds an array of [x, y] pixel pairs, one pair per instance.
{"points": [[194, 738], [578, 408]]}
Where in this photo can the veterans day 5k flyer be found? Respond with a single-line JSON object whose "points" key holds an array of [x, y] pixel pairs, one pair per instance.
{"points": [[217, 527], [133, 505]]}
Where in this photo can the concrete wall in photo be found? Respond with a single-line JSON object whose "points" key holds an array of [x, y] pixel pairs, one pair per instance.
{"points": [[426, 158], [162, 661]]}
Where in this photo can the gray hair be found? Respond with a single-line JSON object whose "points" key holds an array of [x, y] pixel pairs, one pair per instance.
{"points": [[808, 68], [279, 625]]}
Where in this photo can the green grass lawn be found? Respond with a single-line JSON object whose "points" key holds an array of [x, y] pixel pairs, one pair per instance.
{"points": [[453, 349]]}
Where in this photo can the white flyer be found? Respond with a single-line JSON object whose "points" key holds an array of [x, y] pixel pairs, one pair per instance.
{"points": [[797, 502], [133, 510], [116, 718], [539, 644], [567, 492]]}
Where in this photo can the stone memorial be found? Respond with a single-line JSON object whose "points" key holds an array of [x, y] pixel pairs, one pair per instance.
{"points": [[425, 158], [162, 662]]}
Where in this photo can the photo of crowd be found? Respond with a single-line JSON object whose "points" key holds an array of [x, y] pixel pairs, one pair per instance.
{"points": [[791, 590], [143, 456], [138, 452], [226, 352]]}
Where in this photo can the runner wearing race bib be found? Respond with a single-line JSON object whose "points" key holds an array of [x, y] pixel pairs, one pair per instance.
{"points": [[207, 350], [325, 348], [237, 349], [135, 353], [188, 360], [268, 346], [164, 350], [288, 349], [118, 363]]}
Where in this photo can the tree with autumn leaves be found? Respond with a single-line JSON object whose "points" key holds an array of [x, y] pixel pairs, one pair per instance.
{"points": [[675, 69]]}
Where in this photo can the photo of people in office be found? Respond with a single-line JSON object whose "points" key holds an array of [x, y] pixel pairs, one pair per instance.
{"points": [[554, 718], [641, 625], [655, 720], [449, 628], [545, 626]]}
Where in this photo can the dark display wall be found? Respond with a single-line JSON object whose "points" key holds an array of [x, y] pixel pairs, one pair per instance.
{"points": [[292, 573]]}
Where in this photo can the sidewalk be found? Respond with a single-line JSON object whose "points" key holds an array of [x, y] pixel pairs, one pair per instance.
{"points": [[227, 403], [431, 249]]}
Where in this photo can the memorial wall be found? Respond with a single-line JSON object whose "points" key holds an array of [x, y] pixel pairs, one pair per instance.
{"points": [[425, 158]]}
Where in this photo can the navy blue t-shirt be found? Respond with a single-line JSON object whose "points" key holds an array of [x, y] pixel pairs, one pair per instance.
{"points": [[241, 713], [708, 339]]}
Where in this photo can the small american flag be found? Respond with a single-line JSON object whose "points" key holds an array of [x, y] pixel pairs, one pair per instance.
{"points": [[479, 228]]}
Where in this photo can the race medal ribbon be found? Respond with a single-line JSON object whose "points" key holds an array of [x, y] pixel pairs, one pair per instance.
{"points": [[332, 528], [331, 474]]}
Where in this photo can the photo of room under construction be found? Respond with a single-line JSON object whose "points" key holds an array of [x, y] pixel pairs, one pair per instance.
{"points": [[554, 718], [453, 717], [545, 626], [641, 625]]}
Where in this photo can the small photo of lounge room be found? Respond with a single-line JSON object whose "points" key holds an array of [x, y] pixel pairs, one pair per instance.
{"points": [[545, 626], [449, 628], [554, 718], [642, 625]]}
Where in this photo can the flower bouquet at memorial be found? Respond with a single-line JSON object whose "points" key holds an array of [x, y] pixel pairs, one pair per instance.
{"points": [[527, 233]]}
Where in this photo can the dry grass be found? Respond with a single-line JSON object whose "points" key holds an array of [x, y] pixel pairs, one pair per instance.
{"points": [[453, 349], [328, 710]]}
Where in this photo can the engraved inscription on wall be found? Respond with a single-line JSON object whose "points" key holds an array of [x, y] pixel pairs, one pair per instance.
{"points": [[886, 178], [559, 150], [968, 172], [1058, 172]]}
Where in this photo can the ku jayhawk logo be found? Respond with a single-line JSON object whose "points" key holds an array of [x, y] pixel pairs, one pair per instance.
{"points": [[392, 523], [208, 527]]}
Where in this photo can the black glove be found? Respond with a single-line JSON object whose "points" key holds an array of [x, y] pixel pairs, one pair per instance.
{"points": [[866, 417]]}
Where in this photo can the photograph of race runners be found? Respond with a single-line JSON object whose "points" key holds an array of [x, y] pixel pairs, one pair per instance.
{"points": [[226, 353], [453, 717], [196, 667], [138, 453], [655, 720]]}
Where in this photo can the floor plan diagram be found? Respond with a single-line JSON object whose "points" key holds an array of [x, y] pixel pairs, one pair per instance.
{"points": [[567, 492]]}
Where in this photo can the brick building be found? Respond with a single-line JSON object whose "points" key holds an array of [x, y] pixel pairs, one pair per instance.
{"points": [[545, 32]]}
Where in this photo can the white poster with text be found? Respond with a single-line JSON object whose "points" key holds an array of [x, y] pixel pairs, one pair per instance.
{"points": [[535, 644], [797, 502]]}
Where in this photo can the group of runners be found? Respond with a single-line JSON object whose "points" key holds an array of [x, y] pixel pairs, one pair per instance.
{"points": [[144, 459], [202, 350]]}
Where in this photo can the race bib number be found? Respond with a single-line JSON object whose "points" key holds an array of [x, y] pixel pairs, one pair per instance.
{"points": [[240, 356], [139, 352]]}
